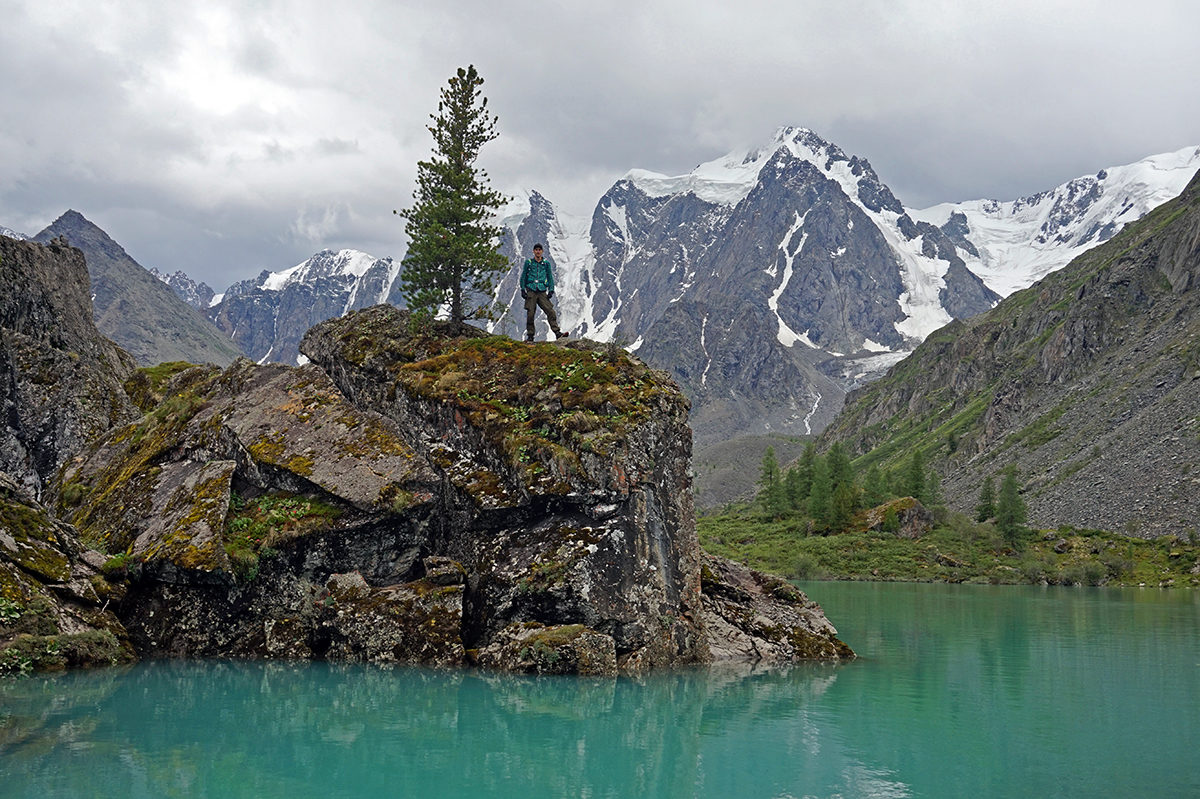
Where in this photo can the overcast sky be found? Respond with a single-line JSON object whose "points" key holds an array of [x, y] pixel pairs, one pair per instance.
{"points": [[223, 138]]}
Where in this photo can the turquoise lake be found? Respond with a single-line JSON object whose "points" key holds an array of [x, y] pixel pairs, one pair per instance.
{"points": [[960, 691]]}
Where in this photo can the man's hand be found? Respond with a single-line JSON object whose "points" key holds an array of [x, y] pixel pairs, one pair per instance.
{"points": [[524, 294], [550, 295]]}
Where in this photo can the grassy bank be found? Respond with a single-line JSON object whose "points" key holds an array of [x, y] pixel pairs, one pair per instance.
{"points": [[956, 550]]}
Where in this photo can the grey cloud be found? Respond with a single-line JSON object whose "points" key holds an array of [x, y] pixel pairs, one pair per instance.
{"points": [[975, 100]]}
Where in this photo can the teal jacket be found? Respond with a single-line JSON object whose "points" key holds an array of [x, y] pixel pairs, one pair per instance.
{"points": [[537, 276]]}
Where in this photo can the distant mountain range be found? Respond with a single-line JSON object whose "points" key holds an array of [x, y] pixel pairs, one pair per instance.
{"points": [[1088, 382], [267, 316], [198, 295], [768, 282]]}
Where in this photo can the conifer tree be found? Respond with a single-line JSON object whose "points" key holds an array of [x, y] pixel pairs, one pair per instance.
{"points": [[792, 490], [1010, 508], [874, 487], [842, 507], [770, 484], [820, 498], [986, 508], [933, 489], [914, 477], [806, 469], [452, 242], [844, 491]]}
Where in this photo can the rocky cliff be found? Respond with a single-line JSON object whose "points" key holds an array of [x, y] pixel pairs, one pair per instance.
{"points": [[60, 380], [60, 388], [1088, 382], [439, 497]]}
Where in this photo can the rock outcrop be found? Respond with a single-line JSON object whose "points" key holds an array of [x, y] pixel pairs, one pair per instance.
{"points": [[53, 593], [438, 497], [60, 380]]}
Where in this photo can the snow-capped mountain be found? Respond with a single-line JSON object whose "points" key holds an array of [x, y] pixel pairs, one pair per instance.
{"points": [[771, 280], [267, 316], [12, 234], [1019, 242], [197, 295]]}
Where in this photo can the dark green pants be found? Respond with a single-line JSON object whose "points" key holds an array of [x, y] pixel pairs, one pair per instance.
{"points": [[535, 300]]}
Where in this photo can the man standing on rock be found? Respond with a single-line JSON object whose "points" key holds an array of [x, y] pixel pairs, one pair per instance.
{"points": [[537, 289]]}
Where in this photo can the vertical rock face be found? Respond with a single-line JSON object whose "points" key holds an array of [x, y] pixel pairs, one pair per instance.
{"points": [[438, 497], [60, 380], [579, 513], [60, 387]]}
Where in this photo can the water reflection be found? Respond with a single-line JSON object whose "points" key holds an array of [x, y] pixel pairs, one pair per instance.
{"points": [[960, 691], [270, 729]]}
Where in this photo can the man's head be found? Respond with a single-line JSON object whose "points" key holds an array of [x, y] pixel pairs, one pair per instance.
{"points": [[537, 252]]}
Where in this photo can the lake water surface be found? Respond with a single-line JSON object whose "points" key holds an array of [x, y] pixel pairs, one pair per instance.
{"points": [[961, 691]]}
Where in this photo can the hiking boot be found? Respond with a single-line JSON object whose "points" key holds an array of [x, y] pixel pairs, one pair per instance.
{"points": [[529, 337], [562, 334]]}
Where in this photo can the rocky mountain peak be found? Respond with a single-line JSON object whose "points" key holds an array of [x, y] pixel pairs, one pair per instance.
{"points": [[133, 307]]}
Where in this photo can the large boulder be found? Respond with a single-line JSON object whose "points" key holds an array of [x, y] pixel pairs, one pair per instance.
{"points": [[413, 495], [756, 616]]}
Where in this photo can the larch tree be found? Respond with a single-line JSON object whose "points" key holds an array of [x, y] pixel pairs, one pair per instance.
{"points": [[986, 508], [771, 484], [452, 248], [820, 499], [1010, 508]]}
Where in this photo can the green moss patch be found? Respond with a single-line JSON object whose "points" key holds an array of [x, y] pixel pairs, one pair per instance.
{"points": [[257, 526]]}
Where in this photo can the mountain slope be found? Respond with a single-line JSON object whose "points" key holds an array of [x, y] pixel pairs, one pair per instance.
{"points": [[267, 316], [1088, 382], [135, 309]]}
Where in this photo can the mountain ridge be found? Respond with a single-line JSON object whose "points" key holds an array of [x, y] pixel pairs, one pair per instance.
{"points": [[135, 309], [1086, 382]]}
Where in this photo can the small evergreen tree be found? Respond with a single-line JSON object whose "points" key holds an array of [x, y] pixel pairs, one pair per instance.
{"points": [[933, 489], [986, 508], [875, 490], [770, 485], [842, 507], [1010, 508], [820, 499], [806, 469], [914, 477], [452, 241], [792, 491], [840, 470]]}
